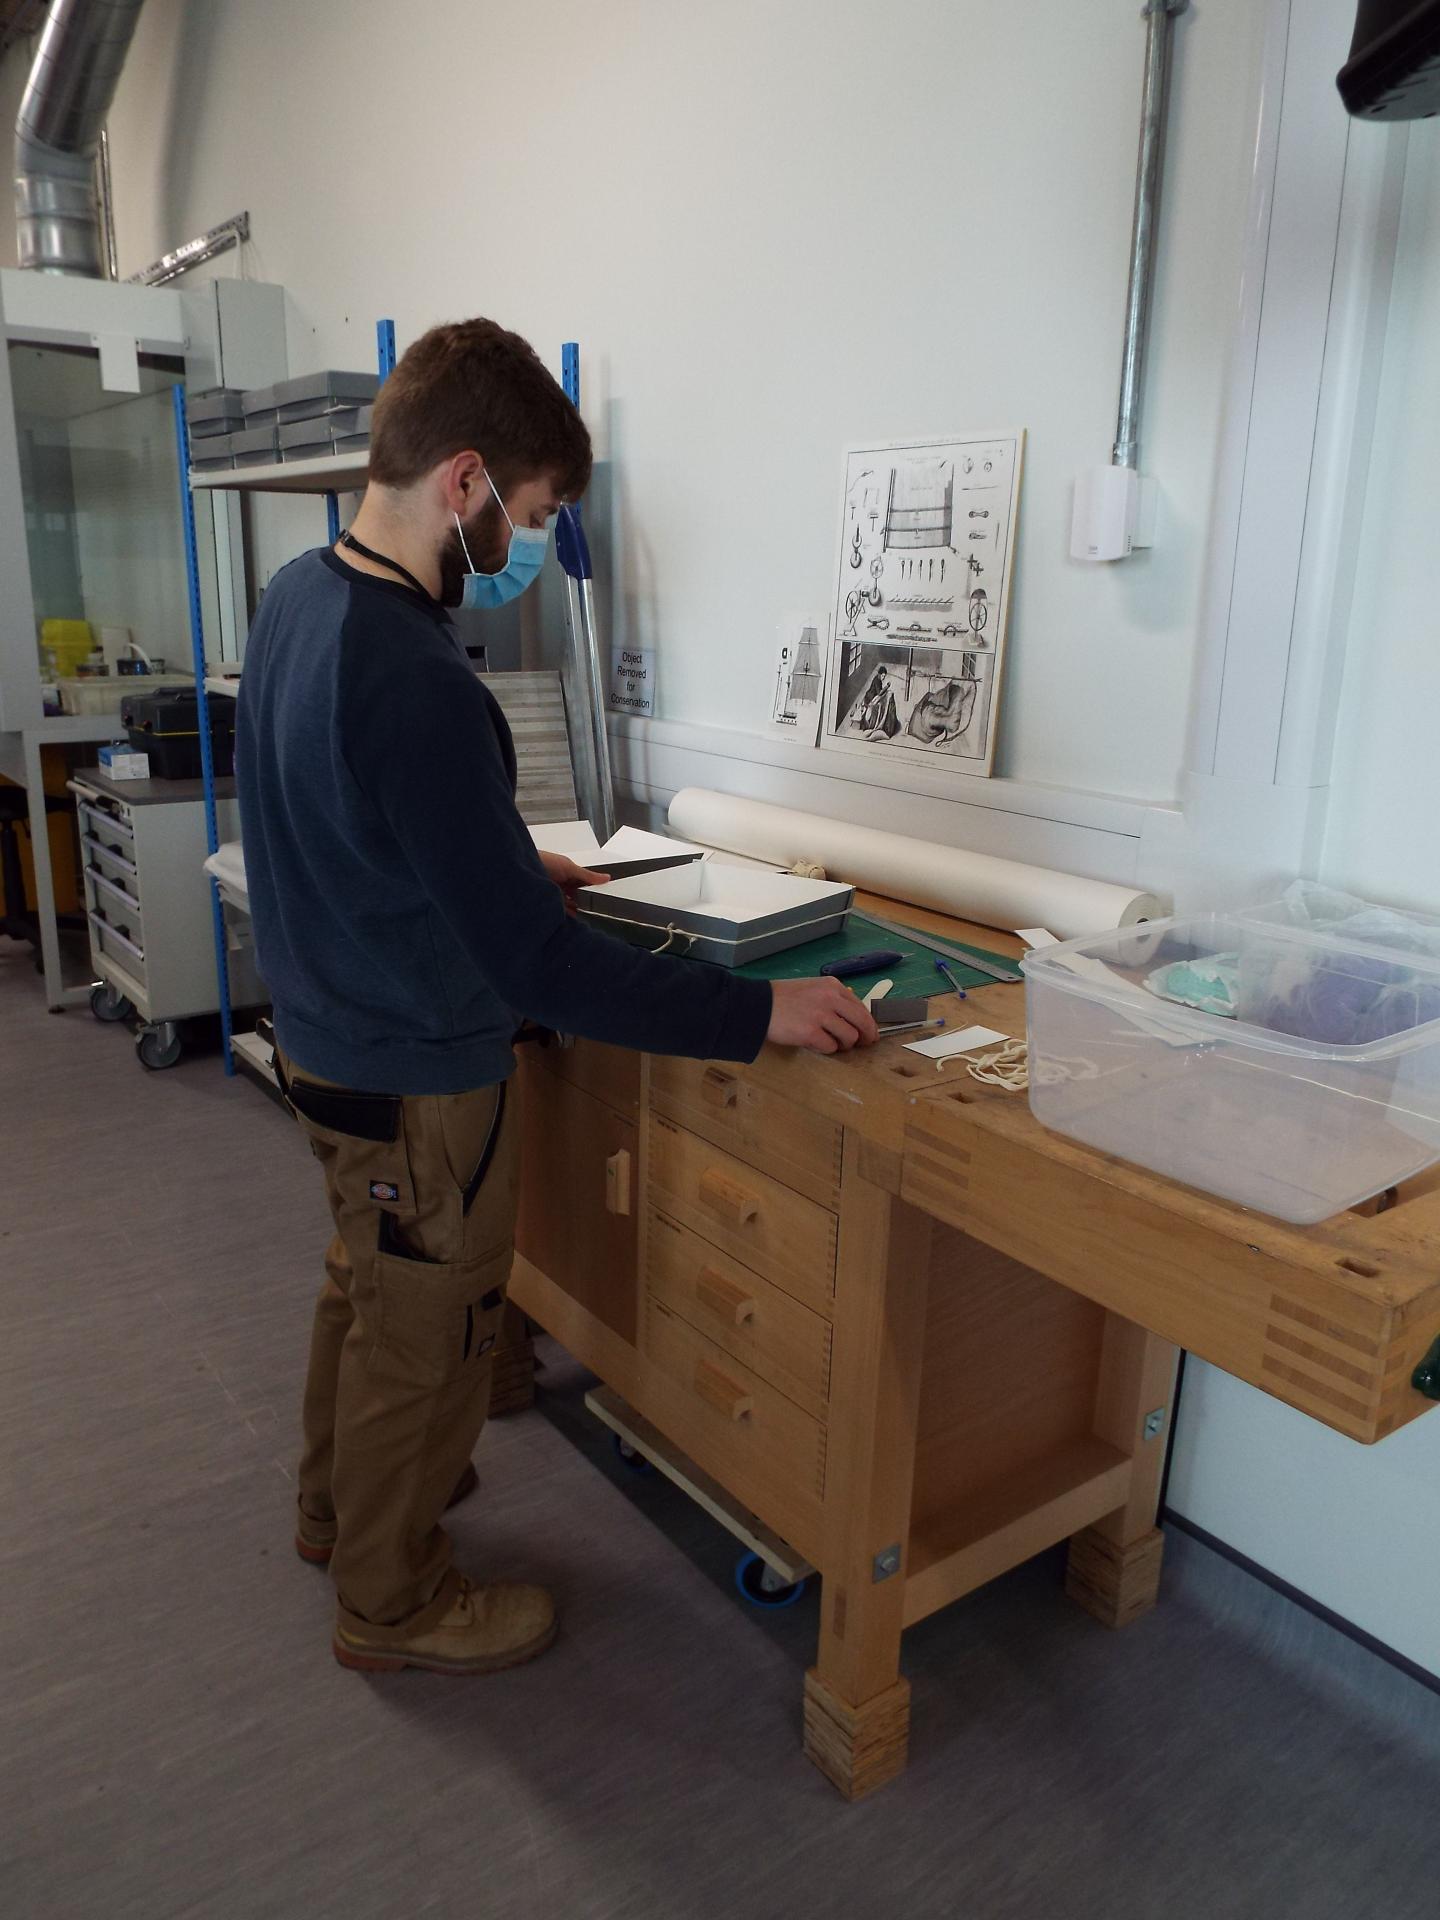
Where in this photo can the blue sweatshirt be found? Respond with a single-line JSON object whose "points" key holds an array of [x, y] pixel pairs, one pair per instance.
{"points": [[403, 920]]}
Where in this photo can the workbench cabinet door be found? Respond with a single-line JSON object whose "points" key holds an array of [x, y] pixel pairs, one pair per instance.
{"points": [[578, 1196]]}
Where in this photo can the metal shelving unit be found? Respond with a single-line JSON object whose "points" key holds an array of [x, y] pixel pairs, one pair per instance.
{"points": [[345, 473]]}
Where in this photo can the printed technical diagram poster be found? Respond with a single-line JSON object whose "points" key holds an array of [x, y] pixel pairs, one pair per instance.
{"points": [[922, 599], [799, 677]]}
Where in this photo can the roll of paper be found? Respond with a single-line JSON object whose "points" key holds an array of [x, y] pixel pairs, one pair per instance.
{"points": [[972, 886]]}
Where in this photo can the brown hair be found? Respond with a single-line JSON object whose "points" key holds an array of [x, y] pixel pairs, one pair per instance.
{"points": [[470, 384]]}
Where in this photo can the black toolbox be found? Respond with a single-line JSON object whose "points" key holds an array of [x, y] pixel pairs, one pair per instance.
{"points": [[166, 725]]}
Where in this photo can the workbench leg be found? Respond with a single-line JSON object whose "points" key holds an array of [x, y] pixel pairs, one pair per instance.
{"points": [[1114, 1566], [857, 1707], [512, 1379]]}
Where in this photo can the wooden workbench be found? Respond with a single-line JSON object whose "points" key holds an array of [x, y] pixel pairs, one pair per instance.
{"points": [[917, 1337]]}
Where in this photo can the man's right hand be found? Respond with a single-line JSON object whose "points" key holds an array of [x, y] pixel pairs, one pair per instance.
{"points": [[823, 1015]]}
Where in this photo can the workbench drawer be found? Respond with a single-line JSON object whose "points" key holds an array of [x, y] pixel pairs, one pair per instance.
{"points": [[767, 1227], [723, 1105], [781, 1340], [756, 1443]]}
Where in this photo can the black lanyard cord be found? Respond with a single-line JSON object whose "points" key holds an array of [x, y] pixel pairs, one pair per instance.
{"points": [[347, 539]]}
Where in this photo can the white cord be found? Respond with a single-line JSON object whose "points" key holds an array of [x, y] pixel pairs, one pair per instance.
{"points": [[1009, 1067]]}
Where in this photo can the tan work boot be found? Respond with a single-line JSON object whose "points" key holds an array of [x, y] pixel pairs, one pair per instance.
{"points": [[315, 1539], [486, 1630]]}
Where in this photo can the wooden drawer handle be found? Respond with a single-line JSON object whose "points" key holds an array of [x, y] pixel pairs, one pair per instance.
{"points": [[725, 1197], [718, 1390], [718, 1089], [617, 1182], [723, 1298]]}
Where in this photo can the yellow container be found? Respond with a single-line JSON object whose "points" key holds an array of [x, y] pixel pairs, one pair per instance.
{"points": [[69, 643]]}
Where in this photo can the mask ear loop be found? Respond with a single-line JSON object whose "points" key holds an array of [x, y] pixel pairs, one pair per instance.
{"points": [[464, 545]]}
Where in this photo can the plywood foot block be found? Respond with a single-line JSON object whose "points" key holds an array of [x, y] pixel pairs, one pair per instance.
{"points": [[857, 1748], [512, 1373], [1116, 1584]]}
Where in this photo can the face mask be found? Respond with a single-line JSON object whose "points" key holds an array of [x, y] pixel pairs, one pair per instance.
{"points": [[522, 563]]}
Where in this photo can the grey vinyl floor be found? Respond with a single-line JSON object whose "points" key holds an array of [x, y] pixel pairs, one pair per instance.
{"points": [[176, 1740]]}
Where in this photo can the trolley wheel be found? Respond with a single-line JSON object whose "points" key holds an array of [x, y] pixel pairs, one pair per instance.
{"points": [[628, 1457], [158, 1047], [762, 1587], [109, 1006]]}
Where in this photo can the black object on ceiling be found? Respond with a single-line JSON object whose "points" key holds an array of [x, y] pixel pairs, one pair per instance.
{"points": [[1393, 72]]}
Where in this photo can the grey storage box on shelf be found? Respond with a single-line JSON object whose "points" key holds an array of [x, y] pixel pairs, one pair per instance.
{"points": [[315, 393], [258, 406], [220, 411], [209, 456], [324, 434], [255, 447]]}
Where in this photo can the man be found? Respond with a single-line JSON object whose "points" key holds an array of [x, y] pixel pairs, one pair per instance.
{"points": [[405, 923]]}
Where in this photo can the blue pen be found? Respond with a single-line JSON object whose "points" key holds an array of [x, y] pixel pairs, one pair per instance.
{"points": [[942, 966]]}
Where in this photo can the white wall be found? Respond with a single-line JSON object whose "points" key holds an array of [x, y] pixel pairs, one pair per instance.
{"points": [[774, 229], [1382, 839]]}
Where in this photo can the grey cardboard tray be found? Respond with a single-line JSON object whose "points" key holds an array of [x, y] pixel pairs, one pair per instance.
{"points": [[258, 405], [221, 423], [217, 404], [216, 451], [321, 430], [255, 440], [316, 393], [717, 913], [353, 443]]}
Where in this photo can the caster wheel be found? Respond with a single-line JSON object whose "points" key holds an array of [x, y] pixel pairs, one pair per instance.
{"points": [[158, 1048], [109, 1006], [627, 1456], [763, 1588]]}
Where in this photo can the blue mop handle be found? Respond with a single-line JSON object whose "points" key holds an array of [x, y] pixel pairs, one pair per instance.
{"points": [[572, 549]]}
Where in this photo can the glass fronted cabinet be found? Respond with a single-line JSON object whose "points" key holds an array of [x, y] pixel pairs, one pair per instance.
{"points": [[100, 489]]}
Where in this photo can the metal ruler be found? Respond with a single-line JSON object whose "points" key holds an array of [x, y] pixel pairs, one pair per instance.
{"points": [[947, 948]]}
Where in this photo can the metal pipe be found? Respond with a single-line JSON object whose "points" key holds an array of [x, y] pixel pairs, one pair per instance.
{"points": [[107, 205], [1159, 18], [67, 98], [229, 233]]}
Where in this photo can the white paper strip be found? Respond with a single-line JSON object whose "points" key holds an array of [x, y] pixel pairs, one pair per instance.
{"points": [[963, 1040]]}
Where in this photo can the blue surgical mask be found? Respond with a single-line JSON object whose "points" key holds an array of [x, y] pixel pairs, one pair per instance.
{"points": [[522, 563]]}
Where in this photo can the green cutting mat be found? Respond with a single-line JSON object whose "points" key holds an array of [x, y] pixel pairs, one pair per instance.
{"points": [[914, 975]]}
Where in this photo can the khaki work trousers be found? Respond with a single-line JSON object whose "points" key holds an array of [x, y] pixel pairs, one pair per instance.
{"points": [[400, 1353]]}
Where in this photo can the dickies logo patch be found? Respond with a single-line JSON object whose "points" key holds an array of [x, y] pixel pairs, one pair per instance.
{"points": [[384, 1190]]}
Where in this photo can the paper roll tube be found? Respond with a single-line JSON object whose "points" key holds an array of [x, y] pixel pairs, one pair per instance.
{"points": [[972, 886]]}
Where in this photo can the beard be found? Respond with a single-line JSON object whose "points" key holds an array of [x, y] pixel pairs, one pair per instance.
{"points": [[487, 536]]}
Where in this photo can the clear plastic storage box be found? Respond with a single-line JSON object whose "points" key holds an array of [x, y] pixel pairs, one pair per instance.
{"points": [[1302, 1078]]}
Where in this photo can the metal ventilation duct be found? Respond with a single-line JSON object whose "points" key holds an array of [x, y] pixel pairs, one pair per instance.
{"points": [[71, 86]]}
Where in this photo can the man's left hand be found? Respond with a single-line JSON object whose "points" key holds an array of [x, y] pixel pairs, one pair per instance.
{"points": [[567, 875]]}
